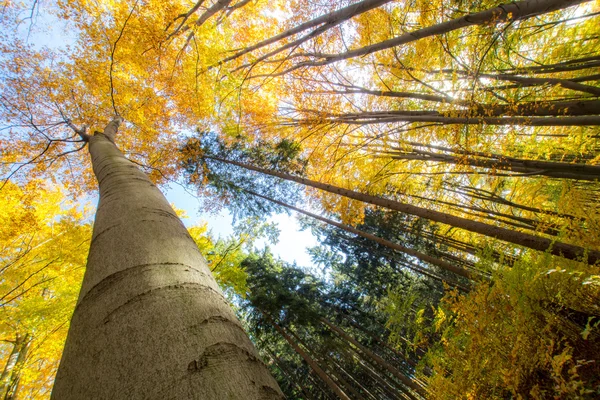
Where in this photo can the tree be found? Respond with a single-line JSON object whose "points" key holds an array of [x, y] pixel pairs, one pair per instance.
{"points": [[142, 260], [194, 152], [43, 244], [487, 83], [145, 284]]}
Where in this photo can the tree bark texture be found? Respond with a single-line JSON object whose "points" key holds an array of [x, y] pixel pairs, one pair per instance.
{"points": [[150, 321]]}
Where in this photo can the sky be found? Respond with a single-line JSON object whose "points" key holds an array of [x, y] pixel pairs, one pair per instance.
{"points": [[292, 244]]}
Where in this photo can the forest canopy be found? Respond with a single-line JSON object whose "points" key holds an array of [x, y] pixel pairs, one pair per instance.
{"points": [[445, 154]]}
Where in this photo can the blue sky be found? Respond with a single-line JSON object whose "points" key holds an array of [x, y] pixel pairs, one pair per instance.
{"points": [[292, 241]]}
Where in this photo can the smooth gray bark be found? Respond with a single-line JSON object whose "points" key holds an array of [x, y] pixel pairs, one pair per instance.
{"points": [[151, 322]]}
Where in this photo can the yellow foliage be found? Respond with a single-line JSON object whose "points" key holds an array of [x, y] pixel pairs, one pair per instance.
{"points": [[44, 242], [526, 336]]}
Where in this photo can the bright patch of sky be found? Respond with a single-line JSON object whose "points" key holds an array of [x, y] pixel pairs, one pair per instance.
{"points": [[42, 29], [291, 247]]}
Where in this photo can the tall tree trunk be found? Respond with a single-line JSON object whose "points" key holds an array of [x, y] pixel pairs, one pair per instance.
{"points": [[7, 371], [406, 264], [499, 162], [150, 321], [306, 357], [472, 109], [290, 376], [336, 371], [519, 238], [379, 383], [386, 117], [377, 339], [355, 381], [11, 375], [325, 360], [421, 256], [322, 24], [516, 11], [403, 378]]}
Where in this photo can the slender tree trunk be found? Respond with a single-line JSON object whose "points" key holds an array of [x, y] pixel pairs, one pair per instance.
{"points": [[473, 109], [6, 372], [291, 377], [336, 371], [11, 375], [421, 256], [386, 117], [313, 365], [150, 321], [355, 381], [328, 21], [486, 195], [378, 340], [505, 218], [505, 12], [403, 378], [406, 264], [381, 383], [498, 162], [525, 81], [519, 238], [324, 358]]}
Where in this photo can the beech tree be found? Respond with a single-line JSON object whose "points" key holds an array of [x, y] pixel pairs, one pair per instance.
{"points": [[468, 125], [146, 283], [150, 320]]}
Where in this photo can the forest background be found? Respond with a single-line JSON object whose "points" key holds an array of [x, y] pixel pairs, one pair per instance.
{"points": [[445, 154]]}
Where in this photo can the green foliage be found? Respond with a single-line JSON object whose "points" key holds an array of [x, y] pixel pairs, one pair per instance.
{"points": [[281, 290], [230, 184]]}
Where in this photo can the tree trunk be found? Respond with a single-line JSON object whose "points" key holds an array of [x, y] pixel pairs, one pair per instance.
{"points": [[519, 238], [406, 264], [473, 109], [11, 375], [150, 321], [505, 12], [403, 378], [397, 355], [312, 364], [355, 381], [498, 162], [379, 383], [328, 21], [421, 256], [290, 376], [386, 117]]}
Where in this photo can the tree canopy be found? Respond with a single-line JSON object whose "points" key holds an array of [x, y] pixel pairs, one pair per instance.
{"points": [[445, 153]]}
